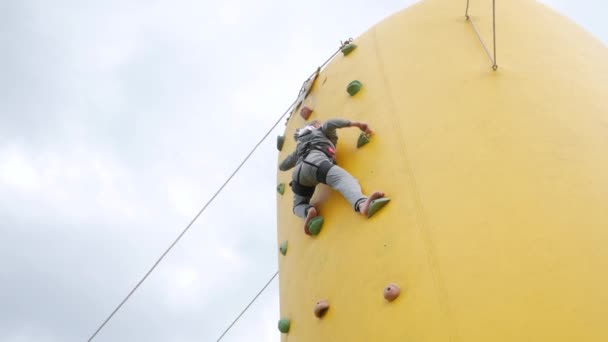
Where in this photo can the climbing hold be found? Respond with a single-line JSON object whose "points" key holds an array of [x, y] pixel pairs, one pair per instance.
{"points": [[363, 139], [281, 188], [376, 205], [391, 292], [284, 324], [305, 112], [280, 142], [321, 308], [348, 48], [283, 247], [354, 87], [315, 225]]}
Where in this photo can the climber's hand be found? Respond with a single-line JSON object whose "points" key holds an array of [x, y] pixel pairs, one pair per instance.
{"points": [[363, 127]]}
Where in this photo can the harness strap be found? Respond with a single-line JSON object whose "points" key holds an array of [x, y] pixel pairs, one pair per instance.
{"points": [[321, 176], [322, 170], [327, 151], [301, 190]]}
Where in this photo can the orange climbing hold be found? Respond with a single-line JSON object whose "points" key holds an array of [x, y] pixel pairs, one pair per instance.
{"points": [[321, 308], [391, 292], [306, 112]]}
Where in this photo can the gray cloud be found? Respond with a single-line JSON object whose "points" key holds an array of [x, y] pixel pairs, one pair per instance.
{"points": [[117, 122]]}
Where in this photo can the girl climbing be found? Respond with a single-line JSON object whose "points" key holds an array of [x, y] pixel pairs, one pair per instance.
{"points": [[314, 161]]}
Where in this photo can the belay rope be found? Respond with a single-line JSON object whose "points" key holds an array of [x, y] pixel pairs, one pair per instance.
{"points": [[105, 322]]}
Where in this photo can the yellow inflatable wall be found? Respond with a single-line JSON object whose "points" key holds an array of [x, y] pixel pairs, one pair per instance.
{"points": [[497, 229]]}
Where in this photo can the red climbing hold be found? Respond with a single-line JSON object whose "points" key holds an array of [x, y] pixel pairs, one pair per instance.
{"points": [[391, 292], [321, 308], [306, 112]]}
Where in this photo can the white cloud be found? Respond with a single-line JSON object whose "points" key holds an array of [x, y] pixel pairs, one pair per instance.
{"points": [[118, 121], [181, 196], [27, 337], [185, 288], [16, 170]]}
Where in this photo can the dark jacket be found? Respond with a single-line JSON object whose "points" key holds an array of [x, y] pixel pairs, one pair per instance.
{"points": [[323, 139]]}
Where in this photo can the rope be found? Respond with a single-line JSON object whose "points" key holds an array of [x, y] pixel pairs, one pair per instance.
{"points": [[200, 212], [329, 59], [468, 18], [277, 272], [189, 224], [247, 307]]}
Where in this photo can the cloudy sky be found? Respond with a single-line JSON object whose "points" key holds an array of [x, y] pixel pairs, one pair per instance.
{"points": [[118, 121]]}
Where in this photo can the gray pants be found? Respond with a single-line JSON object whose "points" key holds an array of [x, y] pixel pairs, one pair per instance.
{"points": [[337, 178]]}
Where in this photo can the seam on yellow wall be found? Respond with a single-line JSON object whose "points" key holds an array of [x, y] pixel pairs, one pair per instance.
{"points": [[420, 216]]}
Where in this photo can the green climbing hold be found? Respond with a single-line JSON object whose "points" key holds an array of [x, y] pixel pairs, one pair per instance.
{"points": [[281, 188], [315, 225], [284, 324], [348, 48], [354, 87], [376, 205], [363, 139], [283, 247], [280, 142]]}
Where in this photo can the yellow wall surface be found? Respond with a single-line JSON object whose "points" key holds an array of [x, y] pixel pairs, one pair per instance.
{"points": [[497, 229]]}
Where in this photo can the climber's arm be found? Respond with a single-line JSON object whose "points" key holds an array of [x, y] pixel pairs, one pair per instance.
{"points": [[362, 126], [330, 126], [288, 162]]}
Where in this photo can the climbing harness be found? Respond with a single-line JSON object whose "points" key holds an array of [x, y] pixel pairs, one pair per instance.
{"points": [[322, 169], [320, 175]]}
